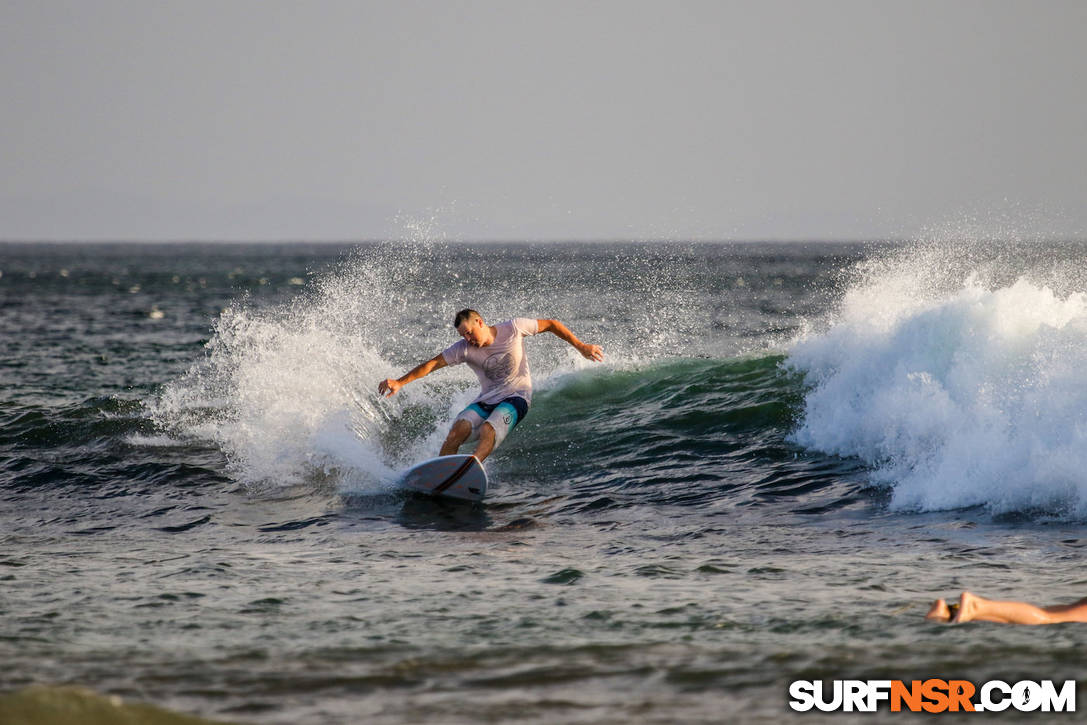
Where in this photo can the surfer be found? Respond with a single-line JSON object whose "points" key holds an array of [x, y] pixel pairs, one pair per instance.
{"points": [[497, 356], [972, 607]]}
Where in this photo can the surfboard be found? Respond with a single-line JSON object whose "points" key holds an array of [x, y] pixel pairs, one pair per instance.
{"points": [[458, 476]]}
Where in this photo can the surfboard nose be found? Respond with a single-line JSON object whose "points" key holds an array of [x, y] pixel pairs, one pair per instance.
{"points": [[455, 476]]}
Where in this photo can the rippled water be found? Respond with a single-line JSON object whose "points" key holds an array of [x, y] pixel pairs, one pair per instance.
{"points": [[789, 451]]}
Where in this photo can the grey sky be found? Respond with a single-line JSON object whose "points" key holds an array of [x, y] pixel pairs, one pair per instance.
{"points": [[544, 120]]}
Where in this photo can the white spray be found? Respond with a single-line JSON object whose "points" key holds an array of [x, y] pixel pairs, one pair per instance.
{"points": [[960, 388]]}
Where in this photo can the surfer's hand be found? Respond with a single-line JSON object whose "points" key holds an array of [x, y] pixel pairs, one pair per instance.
{"points": [[388, 387], [592, 352]]}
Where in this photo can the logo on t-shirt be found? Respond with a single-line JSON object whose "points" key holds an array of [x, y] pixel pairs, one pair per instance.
{"points": [[498, 366]]}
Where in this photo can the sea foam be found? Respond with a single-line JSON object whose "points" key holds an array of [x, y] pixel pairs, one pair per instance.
{"points": [[286, 390], [958, 384]]}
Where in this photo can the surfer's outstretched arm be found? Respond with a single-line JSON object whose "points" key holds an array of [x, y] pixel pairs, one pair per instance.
{"points": [[389, 386], [972, 607], [592, 352]]}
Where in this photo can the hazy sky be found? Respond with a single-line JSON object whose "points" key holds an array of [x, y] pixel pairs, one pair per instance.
{"points": [[311, 120]]}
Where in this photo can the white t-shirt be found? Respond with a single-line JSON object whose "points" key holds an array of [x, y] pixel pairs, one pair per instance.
{"points": [[502, 366]]}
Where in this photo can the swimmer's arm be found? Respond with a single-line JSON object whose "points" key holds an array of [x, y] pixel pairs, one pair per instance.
{"points": [[591, 352], [389, 386]]}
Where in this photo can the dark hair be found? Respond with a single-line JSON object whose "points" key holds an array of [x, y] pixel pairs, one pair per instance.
{"points": [[465, 314]]}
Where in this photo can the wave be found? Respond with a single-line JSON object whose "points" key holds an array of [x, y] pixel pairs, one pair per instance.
{"points": [[684, 400], [958, 378], [288, 392], [286, 397]]}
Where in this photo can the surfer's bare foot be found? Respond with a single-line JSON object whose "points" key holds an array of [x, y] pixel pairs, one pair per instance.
{"points": [[939, 611], [968, 606]]}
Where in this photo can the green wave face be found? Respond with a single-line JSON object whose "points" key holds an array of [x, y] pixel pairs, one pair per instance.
{"points": [[686, 432]]}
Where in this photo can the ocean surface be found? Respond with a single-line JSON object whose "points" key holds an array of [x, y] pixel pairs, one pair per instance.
{"points": [[790, 450]]}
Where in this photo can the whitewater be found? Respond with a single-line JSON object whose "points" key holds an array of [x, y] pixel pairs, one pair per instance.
{"points": [[971, 395]]}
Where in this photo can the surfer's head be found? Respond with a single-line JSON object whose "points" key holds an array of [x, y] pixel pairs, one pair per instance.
{"points": [[472, 328], [466, 314]]}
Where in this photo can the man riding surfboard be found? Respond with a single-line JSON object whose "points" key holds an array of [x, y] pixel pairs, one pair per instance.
{"points": [[497, 356]]}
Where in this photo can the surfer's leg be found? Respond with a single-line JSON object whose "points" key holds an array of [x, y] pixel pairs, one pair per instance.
{"points": [[972, 607], [465, 428], [486, 441], [458, 434], [499, 423]]}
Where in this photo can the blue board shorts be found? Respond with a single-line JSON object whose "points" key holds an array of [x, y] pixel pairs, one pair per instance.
{"points": [[502, 416]]}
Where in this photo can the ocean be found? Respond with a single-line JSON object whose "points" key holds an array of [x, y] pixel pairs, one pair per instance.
{"points": [[789, 451]]}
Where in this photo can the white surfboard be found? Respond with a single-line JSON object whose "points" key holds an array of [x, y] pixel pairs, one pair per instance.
{"points": [[458, 476]]}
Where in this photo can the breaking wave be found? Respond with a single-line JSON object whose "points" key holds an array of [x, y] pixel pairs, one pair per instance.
{"points": [[958, 376]]}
